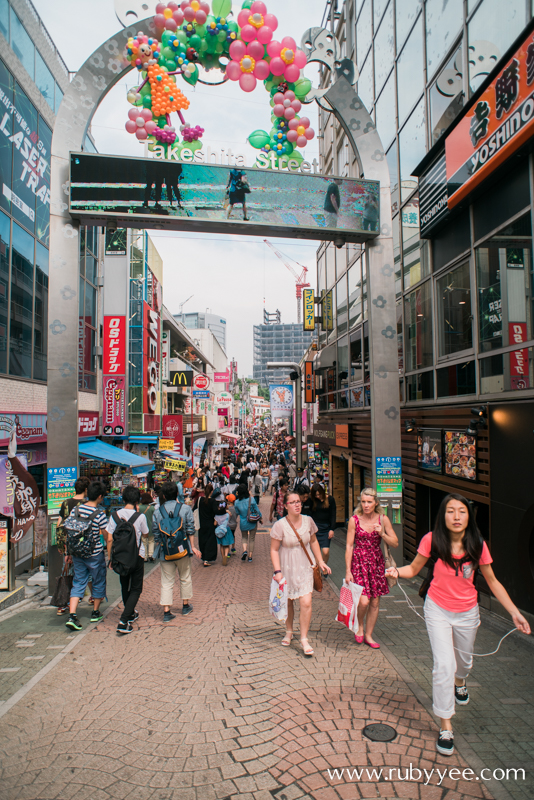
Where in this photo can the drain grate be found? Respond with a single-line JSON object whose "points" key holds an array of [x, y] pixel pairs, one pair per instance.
{"points": [[379, 732]]}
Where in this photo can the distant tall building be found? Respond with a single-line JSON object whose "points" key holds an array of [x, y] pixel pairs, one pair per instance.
{"points": [[277, 342], [212, 321]]}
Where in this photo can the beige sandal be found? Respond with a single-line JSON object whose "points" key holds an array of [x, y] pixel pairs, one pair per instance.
{"points": [[286, 641], [308, 650]]}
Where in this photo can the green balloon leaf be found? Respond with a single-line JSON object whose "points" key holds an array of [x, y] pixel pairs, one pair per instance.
{"points": [[302, 87], [193, 79], [258, 139], [221, 8]]}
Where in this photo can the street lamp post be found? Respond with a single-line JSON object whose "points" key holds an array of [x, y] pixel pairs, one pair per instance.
{"points": [[296, 376]]}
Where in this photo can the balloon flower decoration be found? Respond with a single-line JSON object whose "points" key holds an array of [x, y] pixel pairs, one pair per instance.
{"points": [[191, 36]]}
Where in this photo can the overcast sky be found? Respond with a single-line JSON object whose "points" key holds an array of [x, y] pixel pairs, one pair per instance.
{"points": [[236, 277]]}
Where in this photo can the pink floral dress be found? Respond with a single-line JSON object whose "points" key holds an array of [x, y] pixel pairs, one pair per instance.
{"points": [[368, 565]]}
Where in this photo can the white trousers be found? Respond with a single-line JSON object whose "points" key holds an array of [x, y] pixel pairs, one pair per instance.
{"points": [[448, 630], [168, 576]]}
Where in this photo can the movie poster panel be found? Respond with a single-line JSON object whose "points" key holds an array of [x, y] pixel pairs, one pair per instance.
{"points": [[430, 450]]}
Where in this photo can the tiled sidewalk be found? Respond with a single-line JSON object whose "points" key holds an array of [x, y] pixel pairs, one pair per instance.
{"points": [[210, 706]]}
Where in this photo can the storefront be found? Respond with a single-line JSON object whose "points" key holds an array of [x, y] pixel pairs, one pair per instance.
{"points": [[331, 448]]}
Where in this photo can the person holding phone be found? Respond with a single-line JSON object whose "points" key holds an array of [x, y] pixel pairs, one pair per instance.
{"points": [[456, 550]]}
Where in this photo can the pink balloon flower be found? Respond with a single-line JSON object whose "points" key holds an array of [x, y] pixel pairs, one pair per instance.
{"points": [[247, 65], [286, 59], [256, 24], [299, 131]]}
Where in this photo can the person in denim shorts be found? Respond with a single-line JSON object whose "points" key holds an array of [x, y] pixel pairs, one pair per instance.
{"points": [[92, 568]]}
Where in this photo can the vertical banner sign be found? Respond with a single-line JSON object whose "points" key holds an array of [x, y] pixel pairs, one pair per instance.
{"points": [[173, 428], [327, 311], [198, 447], [389, 476], [519, 377], [114, 397], [309, 382], [308, 299], [165, 355], [25, 498], [281, 397], [151, 359], [4, 556], [115, 406]]}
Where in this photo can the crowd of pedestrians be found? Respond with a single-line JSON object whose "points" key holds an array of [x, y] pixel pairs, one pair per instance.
{"points": [[212, 502]]}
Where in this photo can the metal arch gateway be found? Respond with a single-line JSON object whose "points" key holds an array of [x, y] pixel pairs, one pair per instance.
{"points": [[102, 70]]}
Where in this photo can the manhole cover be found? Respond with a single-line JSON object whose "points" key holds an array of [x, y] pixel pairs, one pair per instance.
{"points": [[378, 732]]}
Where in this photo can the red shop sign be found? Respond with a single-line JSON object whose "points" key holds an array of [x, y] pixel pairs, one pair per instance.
{"points": [[114, 408], [201, 382], [114, 359]]}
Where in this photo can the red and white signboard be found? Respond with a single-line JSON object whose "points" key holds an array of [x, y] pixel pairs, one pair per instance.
{"points": [[201, 382], [114, 359], [519, 377], [223, 399], [173, 428], [88, 423], [115, 405], [151, 359], [221, 377]]}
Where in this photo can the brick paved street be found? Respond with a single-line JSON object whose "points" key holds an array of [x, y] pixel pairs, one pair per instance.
{"points": [[210, 706]]}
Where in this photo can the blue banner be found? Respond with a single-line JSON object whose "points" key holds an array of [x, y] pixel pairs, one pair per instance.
{"points": [[281, 397]]}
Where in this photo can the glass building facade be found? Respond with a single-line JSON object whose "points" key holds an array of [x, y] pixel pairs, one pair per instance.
{"points": [[277, 343]]}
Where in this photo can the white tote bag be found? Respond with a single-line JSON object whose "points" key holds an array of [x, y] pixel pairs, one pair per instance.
{"points": [[349, 597]]}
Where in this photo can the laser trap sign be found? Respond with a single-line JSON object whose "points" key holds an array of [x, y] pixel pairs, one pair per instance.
{"points": [[171, 195]]}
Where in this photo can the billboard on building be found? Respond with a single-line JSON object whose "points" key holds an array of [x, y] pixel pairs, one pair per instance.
{"points": [[281, 397], [279, 202]]}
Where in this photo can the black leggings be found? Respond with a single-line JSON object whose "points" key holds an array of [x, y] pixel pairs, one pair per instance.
{"points": [[131, 588]]}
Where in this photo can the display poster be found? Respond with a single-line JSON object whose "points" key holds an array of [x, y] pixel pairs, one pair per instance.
{"points": [[173, 465], [116, 242], [281, 399], [165, 355], [4, 556], [26, 499], [460, 455], [60, 482], [166, 444], [284, 201], [388, 476], [308, 300], [115, 405], [40, 534], [430, 450], [309, 382], [198, 447]]}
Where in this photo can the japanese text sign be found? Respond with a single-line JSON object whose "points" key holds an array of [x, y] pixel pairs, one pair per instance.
{"points": [[114, 408], [308, 299], [166, 444], [388, 476], [309, 382], [60, 486], [114, 359], [174, 465], [497, 124], [328, 314]]}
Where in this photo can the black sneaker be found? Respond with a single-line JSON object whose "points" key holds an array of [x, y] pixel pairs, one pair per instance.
{"points": [[461, 695], [445, 743], [244, 556], [135, 616], [124, 627], [168, 615], [186, 610], [73, 623], [96, 616], [250, 558]]}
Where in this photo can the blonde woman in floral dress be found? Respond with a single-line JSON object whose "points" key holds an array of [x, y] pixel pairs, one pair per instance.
{"points": [[291, 564]]}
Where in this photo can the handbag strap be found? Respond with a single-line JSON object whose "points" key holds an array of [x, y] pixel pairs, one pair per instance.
{"points": [[300, 542], [387, 554]]}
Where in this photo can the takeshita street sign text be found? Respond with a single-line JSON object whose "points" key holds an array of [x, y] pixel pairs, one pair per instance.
{"points": [[146, 192]]}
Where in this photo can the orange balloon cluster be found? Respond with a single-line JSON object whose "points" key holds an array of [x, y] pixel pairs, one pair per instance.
{"points": [[166, 96]]}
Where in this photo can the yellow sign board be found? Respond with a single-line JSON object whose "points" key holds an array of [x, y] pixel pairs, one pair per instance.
{"points": [[166, 444], [172, 465], [328, 312], [308, 299]]}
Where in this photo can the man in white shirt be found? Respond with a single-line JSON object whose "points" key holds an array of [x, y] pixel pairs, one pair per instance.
{"points": [[132, 582]]}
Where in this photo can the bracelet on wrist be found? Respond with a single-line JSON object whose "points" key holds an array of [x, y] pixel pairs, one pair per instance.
{"points": [[277, 571]]}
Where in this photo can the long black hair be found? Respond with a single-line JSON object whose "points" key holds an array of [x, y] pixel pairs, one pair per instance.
{"points": [[441, 535]]}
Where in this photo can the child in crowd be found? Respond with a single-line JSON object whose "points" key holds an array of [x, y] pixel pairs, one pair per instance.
{"points": [[232, 521], [224, 535]]}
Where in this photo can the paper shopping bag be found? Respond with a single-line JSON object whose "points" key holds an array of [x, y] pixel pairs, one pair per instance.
{"points": [[278, 600], [349, 597]]}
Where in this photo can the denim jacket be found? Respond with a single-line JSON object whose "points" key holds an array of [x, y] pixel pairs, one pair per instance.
{"points": [[188, 524]]}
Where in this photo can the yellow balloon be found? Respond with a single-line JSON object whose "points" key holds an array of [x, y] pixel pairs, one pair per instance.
{"points": [[167, 13], [301, 130]]}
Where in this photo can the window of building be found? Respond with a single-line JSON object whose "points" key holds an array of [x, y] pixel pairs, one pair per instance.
{"points": [[504, 285], [412, 149], [405, 14], [22, 44], [342, 158], [393, 165], [366, 361], [341, 298], [355, 293], [58, 99], [446, 96], [455, 329], [4, 19], [399, 337], [5, 240], [456, 380], [343, 362], [386, 123], [88, 309], [44, 79], [356, 357], [492, 29], [384, 48], [364, 32], [365, 84], [330, 266], [507, 372], [411, 255], [443, 24], [410, 73], [418, 328], [21, 306], [420, 386], [40, 323]]}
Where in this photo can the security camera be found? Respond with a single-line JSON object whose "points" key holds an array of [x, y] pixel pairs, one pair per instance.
{"points": [[339, 243], [112, 225]]}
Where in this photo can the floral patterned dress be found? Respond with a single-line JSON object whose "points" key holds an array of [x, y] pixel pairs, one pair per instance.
{"points": [[368, 565]]}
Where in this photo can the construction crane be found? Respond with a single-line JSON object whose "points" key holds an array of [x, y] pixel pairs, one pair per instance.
{"points": [[301, 280]]}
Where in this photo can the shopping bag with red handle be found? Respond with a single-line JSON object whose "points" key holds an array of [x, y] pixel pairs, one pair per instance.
{"points": [[349, 597]]}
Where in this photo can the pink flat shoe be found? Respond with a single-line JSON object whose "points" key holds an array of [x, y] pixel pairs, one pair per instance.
{"points": [[358, 639], [374, 645]]}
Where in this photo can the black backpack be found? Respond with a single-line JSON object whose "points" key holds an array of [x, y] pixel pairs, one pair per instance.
{"points": [[124, 550], [79, 533]]}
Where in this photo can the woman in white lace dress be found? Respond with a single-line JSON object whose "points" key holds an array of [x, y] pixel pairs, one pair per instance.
{"points": [[291, 564]]}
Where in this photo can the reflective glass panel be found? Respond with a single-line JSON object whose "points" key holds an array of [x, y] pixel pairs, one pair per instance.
{"points": [[20, 333], [343, 362], [418, 328], [491, 31], [356, 356], [399, 336], [446, 96], [410, 73], [420, 387], [453, 294], [393, 165], [41, 313], [365, 84], [405, 13], [42, 209], [412, 149], [456, 380], [58, 98], [44, 79], [355, 293], [384, 49], [24, 178], [364, 32], [22, 44], [508, 372], [385, 112], [444, 22], [341, 294], [4, 284], [4, 19]]}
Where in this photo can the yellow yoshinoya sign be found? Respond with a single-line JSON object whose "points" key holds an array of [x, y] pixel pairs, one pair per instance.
{"points": [[172, 465]]}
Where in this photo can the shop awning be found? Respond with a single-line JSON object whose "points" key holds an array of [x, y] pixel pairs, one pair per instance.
{"points": [[143, 439], [174, 454], [229, 435], [101, 451]]}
